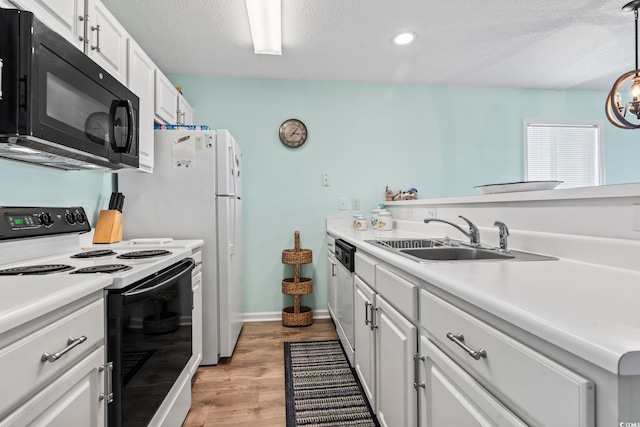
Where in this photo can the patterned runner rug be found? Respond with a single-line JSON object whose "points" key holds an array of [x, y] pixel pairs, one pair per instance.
{"points": [[321, 388]]}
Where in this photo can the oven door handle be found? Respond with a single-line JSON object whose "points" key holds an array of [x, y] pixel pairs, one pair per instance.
{"points": [[140, 293]]}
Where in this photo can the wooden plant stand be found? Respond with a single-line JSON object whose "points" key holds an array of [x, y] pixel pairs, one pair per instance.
{"points": [[297, 315]]}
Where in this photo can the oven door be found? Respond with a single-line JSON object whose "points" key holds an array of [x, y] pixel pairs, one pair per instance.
{"points": [[59, 101], [149, 342]]}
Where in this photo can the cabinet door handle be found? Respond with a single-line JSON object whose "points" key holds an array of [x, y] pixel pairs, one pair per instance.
{"points": [[71, 343], [333, 269], [367, 321], [373, 310], [109, 382], [417, 358], [96, 28], [459, 339]]}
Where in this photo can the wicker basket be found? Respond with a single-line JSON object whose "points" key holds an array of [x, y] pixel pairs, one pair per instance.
{"points": [[303, 318], [303, 287], [293, 257]]}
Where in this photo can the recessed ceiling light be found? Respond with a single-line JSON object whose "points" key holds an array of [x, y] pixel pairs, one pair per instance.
{"points": [[404, 38]]}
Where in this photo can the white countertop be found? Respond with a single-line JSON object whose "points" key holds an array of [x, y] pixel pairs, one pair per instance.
{"points": [[588, 310], [24, 298]]}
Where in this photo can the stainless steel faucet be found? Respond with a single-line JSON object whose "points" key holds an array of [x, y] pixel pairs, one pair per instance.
{"points": [[504, 233], [473, 234]]}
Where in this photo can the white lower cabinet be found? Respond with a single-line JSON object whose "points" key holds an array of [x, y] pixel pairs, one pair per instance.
{"points": [[396, 345], [332, 284], [539, 390], [53, 369], [386, 342], [71, 400], [365, 337], [451, 397]]}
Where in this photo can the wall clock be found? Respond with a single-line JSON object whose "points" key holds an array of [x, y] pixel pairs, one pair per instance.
{"points": [[293, 133]]}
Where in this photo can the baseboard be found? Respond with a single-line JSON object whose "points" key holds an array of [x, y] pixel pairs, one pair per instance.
{"points": [[269, 316]]}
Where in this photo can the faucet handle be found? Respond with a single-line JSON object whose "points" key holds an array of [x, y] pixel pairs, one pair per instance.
{"points": [[504, 232], [474, 233]]}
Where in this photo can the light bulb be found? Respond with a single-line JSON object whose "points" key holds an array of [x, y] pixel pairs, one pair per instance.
{"points": [[404, 38], [635, 89]]}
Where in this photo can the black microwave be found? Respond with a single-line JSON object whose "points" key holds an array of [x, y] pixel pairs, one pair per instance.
{"points": [[58, 107]]}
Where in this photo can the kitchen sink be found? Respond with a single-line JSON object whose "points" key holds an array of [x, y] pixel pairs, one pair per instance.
{"points": [[447, 250], [407, 243], [454, 254]]}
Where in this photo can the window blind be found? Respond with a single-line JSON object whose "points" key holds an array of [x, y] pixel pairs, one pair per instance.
{"points": [[563, 152]]}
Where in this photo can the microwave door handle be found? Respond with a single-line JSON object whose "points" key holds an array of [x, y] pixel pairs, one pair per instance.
{"points": [[112, 125]]}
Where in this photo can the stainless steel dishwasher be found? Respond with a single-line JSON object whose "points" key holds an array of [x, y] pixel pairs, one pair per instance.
{"points": [[344, 297]]}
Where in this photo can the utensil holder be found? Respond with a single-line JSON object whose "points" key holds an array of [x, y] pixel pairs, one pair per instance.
{"points": [[109, 227]]}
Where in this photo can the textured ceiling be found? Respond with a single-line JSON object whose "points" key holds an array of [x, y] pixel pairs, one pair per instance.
{"points": [[542, 44]]}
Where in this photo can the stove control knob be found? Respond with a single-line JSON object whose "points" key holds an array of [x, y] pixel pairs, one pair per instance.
{"points": [[80, 217], [70, 217], [45, 219]]}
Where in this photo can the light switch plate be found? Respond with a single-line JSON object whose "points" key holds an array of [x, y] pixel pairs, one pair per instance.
{"points": [[342, 204], [355, 204]]}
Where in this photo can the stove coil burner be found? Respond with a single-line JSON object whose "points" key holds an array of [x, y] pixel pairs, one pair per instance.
{"points": [[106, 268], [144, 254], [94, 254], [35, 269]]}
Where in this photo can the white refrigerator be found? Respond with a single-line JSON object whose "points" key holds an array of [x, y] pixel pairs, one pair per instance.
{"points": [[195, 192]]}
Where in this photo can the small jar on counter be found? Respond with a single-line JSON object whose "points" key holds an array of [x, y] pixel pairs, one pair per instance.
{"points": [[385, 221], [373, 221], [359, 222]]}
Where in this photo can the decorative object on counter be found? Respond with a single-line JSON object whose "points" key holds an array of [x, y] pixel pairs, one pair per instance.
{"points": [[385, 221], [512, 187], [410, 194], [373, 220], [109, 225], [296, 286], [293, 133], [615, 110], [359, 222], [388, 194]]}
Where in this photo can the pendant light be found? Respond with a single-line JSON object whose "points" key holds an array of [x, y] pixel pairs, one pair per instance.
{"points": [[615, 109]]}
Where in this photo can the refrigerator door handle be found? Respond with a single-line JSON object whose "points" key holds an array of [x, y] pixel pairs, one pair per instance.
{"points": [[232, 228]]}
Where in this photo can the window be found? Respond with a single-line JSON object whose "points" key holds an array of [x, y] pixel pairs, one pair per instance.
{"points": [[568, 151]]}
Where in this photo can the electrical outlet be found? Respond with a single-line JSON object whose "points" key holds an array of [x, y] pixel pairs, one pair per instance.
{"points": [[342, 204], [325, 180], [432, 213], [355, 204]]}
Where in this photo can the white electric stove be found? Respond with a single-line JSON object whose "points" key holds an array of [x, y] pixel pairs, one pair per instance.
{"points": [[149, 305]]}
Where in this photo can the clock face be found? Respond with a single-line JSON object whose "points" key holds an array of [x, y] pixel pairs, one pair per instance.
{"points": [[293, 133]]}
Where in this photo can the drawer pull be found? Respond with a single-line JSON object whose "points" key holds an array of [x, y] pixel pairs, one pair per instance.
{"points": [[71, 343], [459, 338]]}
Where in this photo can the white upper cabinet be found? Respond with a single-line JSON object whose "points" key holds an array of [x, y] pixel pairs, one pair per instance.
{"points": [[140, 78], [185, 111], [166, 99], [107, 41], [66, 17]]}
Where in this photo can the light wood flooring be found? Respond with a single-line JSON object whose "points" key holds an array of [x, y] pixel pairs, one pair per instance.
{"points": [[247, 389]]}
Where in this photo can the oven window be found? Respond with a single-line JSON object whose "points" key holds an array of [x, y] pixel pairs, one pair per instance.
{"points": [[150, 348]]}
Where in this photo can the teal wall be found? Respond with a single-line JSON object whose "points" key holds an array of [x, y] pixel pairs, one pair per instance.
{"points": [[440, 140], [28, 185]]}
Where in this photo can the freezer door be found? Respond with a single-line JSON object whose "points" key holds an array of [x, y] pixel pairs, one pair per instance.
{"points": [[228, 158], [229, 213]]}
